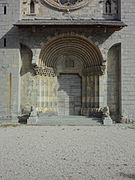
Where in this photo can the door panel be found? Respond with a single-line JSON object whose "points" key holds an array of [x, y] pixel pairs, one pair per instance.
{"points": [[69, 94]]}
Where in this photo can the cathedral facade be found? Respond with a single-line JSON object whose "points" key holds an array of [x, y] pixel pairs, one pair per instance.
{"points": [[67, 58]]}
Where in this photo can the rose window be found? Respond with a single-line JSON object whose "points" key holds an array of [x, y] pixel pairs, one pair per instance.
{"points": [[66, 4]]}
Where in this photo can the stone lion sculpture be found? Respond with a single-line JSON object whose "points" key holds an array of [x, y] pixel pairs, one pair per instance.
{"points": [[105, 111]]}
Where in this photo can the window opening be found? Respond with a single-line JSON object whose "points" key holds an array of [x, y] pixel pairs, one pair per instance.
{"points": [[32, 7], [108, 8], [68, 1], [5, 42], [5, 9]]}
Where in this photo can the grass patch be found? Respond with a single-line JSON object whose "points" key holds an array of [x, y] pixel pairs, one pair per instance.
{"points": [[9, 125], [131, 127]]}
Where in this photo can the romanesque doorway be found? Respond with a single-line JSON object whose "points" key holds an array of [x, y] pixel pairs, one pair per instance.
{"points": [[68, 73], [69, 94], [65, 79]]}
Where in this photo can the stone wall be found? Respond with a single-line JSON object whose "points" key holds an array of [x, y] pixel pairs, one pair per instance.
{"points": [[93, 9], [11, 37], [9, 59], [128, 60], [103, 40]]}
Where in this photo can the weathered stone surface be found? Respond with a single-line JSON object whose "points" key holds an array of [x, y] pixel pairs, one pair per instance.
{"points": [[33, 119], [21, 48], [107, 121]]}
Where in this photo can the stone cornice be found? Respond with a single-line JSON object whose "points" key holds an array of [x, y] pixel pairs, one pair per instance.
{"points": [[71, 22]]}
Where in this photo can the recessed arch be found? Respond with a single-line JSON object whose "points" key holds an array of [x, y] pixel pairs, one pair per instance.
{"points": [[82, 48]]}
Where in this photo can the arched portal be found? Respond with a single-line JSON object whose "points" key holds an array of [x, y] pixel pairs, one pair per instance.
{"points": [[67, 74], [74, 45]]}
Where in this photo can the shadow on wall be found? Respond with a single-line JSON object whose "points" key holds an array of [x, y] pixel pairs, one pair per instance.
{"points": [[11, 41], [8, 69], [26, 58], [69, 94], [15, 36], [8, 41]]}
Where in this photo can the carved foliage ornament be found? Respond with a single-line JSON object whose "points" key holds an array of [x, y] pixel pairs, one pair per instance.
{"points": [[66, 4], [44, 71]]}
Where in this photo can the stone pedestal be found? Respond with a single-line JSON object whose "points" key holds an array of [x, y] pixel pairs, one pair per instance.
{"points": [[107, 121], [14, 118], [32, 120], [33, 116]]}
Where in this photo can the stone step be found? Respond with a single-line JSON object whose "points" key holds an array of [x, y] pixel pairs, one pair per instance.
{"points": [[68, 120]]}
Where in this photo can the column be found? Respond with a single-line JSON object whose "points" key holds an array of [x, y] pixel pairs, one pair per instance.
{"points": [[96, 91], [84, 94], [103, 90]]}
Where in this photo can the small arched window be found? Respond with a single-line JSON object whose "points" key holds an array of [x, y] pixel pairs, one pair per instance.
{"points": [[108, 7], [32, 7], [5, 10]]}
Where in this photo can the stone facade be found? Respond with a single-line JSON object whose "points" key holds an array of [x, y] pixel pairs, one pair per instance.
{"points": [[37, 56]]}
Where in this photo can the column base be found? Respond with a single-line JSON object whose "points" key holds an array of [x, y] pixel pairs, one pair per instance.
{"points": [[32, 120], [15, 119], [107, 121]]}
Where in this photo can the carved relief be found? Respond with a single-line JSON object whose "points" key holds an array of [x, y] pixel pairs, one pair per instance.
{"points": [[110, 7], [105, 111], [45, 71], [29, 7]]}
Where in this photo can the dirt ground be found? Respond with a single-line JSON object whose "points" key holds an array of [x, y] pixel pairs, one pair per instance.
{"points": [[67, 153]]}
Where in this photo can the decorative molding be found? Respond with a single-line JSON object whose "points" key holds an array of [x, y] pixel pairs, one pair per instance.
{"points": [[44, 71], [83, 48]]}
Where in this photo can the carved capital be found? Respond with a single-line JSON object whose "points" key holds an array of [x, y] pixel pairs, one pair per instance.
{"points": [[94, 70], [44, 71]]}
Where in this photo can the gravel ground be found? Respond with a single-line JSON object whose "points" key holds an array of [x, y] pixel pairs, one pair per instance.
{"points": [[67, 153]]}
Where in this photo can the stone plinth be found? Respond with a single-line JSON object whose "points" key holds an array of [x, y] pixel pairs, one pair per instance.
{"points": [[32, 120], [107, 121]]}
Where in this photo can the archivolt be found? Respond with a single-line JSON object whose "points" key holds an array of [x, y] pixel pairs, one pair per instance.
{"points": [[80, 47]]}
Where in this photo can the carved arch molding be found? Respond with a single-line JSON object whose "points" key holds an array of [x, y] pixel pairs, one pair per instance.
{"points": [[78, 47], [69, 54]]}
